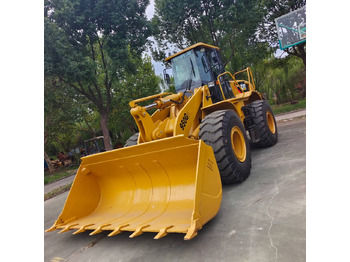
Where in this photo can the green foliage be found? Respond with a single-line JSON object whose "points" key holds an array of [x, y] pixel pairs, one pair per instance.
{"points": [[70, 122], [141, 83], [76, 31], [90, 46], [287, 107], [62, 109], [281, 80]]}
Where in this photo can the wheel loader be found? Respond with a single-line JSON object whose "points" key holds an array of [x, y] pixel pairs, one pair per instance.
{"points": [[168, 177]]}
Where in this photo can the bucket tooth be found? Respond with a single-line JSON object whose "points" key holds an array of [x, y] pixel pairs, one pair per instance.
{"points": [[82, 229], [138, 231], [53, 228], [99, 229], [162, 232], [192, 231], [117, 230], [67, 228]]}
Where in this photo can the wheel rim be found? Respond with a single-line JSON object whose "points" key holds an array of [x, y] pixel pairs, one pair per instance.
{"points": [[270, 122], [238, 144]]}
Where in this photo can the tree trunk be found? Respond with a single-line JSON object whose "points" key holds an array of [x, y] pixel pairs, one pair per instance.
{"points": [[49, 164], [304, 59], [299, 51], [105, 131]]}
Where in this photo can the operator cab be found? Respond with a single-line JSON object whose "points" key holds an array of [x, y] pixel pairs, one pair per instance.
{"points": [[196, 66]]}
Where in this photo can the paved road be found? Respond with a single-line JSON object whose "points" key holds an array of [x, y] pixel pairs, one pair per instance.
{"points": [[262, 219]]}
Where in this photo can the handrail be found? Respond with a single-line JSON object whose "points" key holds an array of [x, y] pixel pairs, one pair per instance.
{"points": [[234, 80], [249, 74]]}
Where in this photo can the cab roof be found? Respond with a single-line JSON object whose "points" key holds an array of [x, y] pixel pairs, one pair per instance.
{"points": [[189, 48]]}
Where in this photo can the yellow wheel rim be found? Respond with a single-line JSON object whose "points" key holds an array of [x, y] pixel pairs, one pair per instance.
{"points": [[270, 122], [238, 144]]}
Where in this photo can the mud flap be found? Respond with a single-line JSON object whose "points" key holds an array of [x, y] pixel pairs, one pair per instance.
{"points": [[168, 186]]}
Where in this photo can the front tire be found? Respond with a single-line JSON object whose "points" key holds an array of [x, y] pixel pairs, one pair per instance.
{"points": [[224, 132]]}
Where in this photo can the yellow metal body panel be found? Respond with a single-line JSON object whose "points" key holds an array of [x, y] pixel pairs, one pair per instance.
{"points": [[188, 113], [166, 186], [189, 48]]}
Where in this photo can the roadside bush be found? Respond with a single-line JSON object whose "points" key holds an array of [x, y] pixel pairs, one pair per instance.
{"points": [[281, 80]]}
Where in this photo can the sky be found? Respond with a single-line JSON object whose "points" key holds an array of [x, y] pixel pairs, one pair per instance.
{"points": [[158, 66], [150, 10]]}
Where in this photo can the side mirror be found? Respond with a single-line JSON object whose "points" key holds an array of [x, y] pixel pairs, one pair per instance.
{"points": [[167, 78]]}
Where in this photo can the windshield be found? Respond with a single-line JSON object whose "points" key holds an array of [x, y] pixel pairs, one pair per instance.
{"points": [[188, 71]]}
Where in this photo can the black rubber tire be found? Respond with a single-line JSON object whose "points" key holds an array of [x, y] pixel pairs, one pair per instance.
{"points": [[132, 140], [267, 138], [215, 131]]}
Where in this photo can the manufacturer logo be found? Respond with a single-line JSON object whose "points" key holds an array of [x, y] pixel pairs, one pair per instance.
{"points": [[184, 120], [210, 165]]}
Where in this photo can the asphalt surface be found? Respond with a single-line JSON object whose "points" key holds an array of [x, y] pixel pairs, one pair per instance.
{"points": [[262, 219]]}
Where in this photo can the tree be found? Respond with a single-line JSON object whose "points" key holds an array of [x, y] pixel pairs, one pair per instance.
{"points": [[231, 25], [280, 79], [267, 28], [142, 82], [88, 45], [61, 111]]}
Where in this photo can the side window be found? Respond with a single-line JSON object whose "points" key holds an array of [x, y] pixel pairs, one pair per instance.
{"points": [[203, 67], [215, 63]]}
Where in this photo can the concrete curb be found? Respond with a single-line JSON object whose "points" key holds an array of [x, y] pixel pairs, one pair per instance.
{"points": [[291, 112], [290, 115]]}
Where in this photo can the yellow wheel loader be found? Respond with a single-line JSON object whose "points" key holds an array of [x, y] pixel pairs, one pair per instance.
{"points": [[167, 178]]}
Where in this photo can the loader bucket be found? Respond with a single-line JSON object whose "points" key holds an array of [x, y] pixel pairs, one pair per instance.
{"points": [[166, 186]]}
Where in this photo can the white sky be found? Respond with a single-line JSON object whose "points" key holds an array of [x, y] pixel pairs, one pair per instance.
{"points": [[150, 10], [158, 66]]}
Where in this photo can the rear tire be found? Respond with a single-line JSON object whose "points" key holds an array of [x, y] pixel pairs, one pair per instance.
{"points": [[224, 132], [132, 140], [265, 123]]}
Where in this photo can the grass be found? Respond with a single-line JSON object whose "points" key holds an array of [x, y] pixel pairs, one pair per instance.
{"points": [[59, 174], [287, 107], [57, 191]]}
